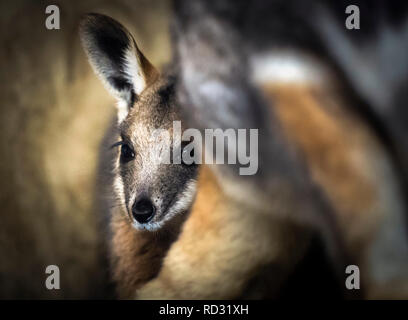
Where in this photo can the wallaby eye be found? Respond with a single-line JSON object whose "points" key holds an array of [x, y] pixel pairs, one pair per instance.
{"points": [[126, 153]]}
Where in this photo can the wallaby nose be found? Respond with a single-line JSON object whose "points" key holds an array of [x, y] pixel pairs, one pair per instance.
{"points": [[143, 210]]}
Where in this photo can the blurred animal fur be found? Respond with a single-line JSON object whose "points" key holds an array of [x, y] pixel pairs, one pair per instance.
{"points": [[329, 159], [332, 154]]}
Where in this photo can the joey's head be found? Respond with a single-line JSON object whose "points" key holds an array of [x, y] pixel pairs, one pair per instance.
{"points": [[150, 189]]}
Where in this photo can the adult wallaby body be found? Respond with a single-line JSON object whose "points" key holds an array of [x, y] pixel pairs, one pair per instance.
{"points": [[332, 151]]}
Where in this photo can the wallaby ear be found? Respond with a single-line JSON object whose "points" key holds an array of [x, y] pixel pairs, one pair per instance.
{"points": [[116, 59]]}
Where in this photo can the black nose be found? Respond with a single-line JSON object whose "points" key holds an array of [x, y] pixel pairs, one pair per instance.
{"points": [[143, 210]]}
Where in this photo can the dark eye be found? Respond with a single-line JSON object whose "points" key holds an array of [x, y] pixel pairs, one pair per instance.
{"points": [[126, 153]]}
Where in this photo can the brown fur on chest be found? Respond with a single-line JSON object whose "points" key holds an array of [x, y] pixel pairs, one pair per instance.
{"points": [[136, 256]]}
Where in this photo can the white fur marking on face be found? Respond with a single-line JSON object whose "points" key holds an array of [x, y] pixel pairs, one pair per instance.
{"points": [[184, 201], [119, 190], [287, 67]]}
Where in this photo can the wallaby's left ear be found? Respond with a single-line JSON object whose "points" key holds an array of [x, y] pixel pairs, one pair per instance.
{"points": [[116, 59]]}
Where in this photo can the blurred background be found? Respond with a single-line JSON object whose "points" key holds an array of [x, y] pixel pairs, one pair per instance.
{"points": [[54, 112]]}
